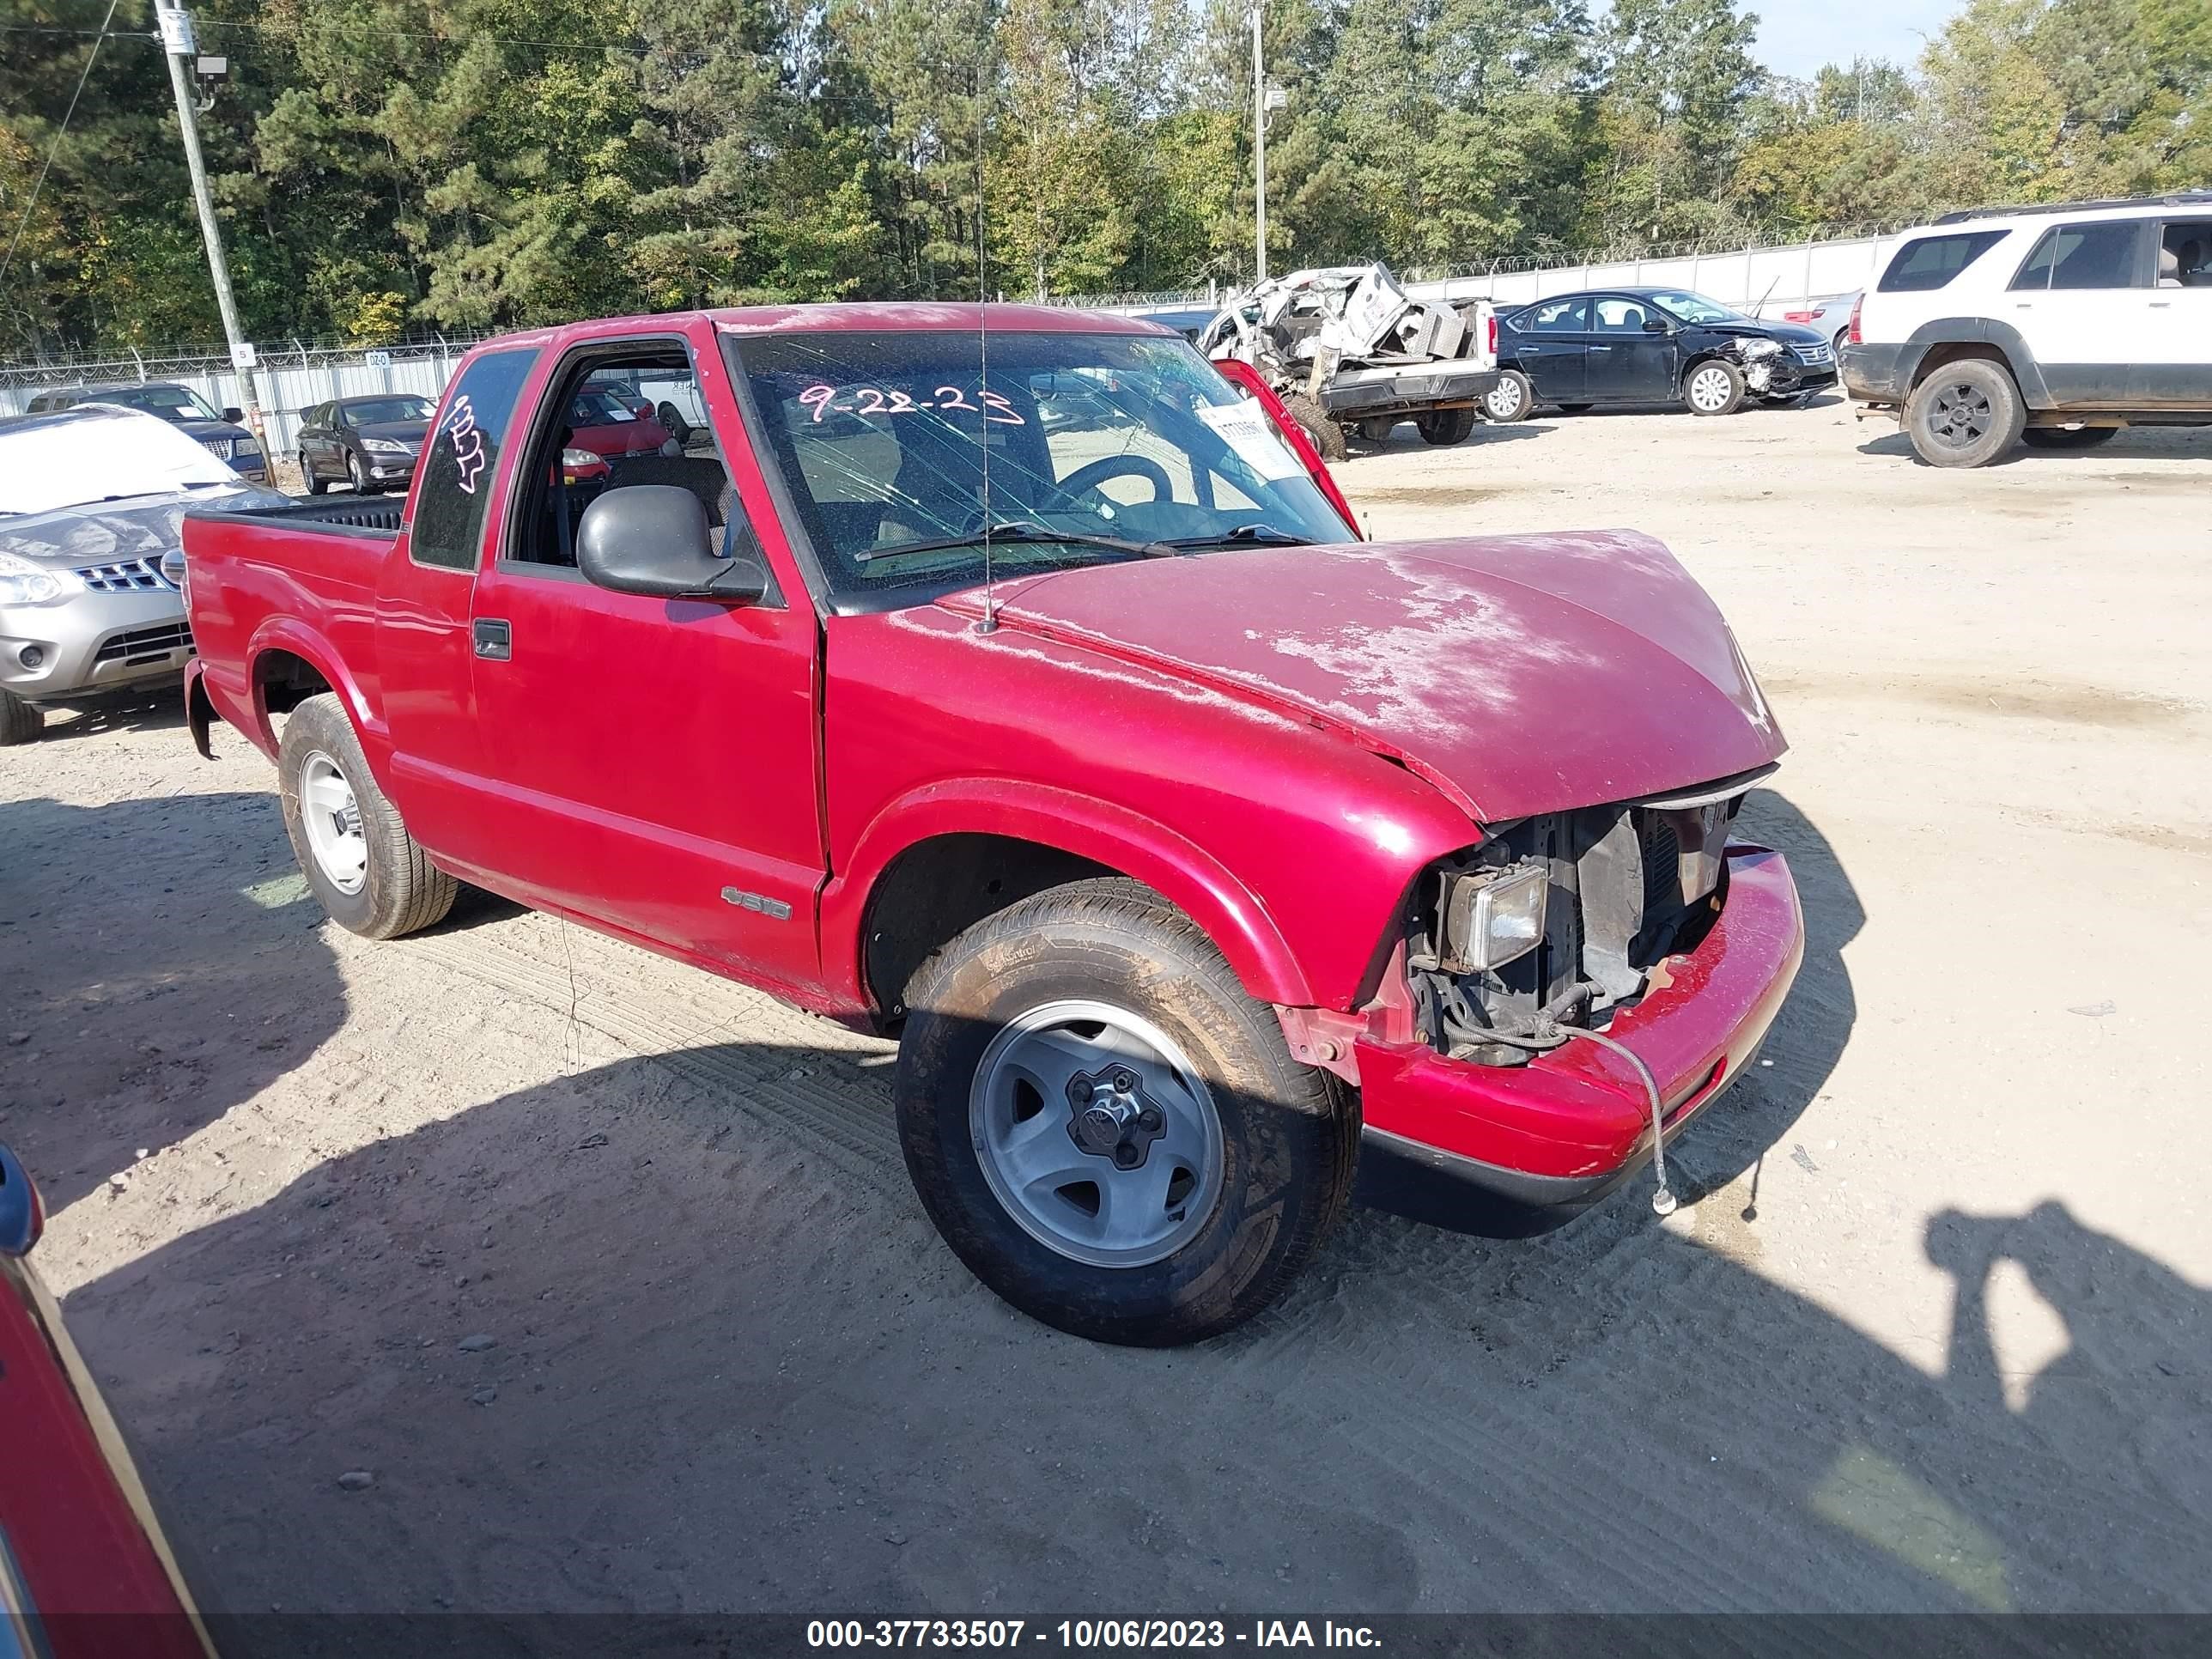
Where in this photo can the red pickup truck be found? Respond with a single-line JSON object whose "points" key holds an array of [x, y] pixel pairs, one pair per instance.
{"points": [[1009, 679]]}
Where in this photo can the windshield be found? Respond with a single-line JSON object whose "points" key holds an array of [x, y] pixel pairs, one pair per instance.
{"points": [[379, 411], [595, 407], [51, 463], [883, 441], [1696, 309], [171, 403]]}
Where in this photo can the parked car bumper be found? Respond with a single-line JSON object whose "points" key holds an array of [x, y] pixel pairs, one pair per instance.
{"points": [[1514, 1150], [1355, 393], [1880, 373], [93, 643], [388, 470]]}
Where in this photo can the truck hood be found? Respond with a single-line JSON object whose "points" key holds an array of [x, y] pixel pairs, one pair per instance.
{"points": [[1518, 674]]}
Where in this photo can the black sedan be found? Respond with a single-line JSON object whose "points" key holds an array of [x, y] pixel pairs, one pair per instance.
{"points": [[370, 443], [222, 435], [1651, 345]]}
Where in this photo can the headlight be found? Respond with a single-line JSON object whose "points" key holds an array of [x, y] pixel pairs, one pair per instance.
{"points": [[576, 459], [244, 449], [1492, 917], [387, 446], [23, 582], [1761, 348]]}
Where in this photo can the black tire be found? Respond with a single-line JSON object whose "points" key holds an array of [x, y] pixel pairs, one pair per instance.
{"points": [[1714, 386], [402, 891], [1843, 338], [673, 422], [20, 721], [358, 471], [1966, 413], [1326, 434], [316, 485], [2058, 437], [1378, 429], [1444, 426], [1576, 409], [1510, 399], [1289, 1137]]}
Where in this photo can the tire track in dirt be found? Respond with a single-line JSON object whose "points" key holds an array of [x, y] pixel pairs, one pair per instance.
{"points": [[843, 1111]]}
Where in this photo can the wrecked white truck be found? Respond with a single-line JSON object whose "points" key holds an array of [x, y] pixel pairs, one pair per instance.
{"points": [[1348, 350]]}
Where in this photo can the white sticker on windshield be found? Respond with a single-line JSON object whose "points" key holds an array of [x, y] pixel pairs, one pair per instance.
{"points": [[1245, 427]]}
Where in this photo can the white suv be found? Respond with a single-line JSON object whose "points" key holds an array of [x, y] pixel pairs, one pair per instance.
{"points": [[2052, 326]]}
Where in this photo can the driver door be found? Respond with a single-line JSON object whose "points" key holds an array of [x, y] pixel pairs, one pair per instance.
{"points": [[1627, 363], [654, 760]]}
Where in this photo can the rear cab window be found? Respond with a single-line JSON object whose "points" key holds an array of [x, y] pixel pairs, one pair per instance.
{"points": [[2106, 255], [455, 491]]}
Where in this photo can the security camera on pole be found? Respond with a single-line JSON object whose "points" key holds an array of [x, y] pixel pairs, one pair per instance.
{"points": [[178, 43]]}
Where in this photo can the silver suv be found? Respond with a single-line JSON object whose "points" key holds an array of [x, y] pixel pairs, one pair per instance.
{"points": [[2052, 326], [91, 498]]}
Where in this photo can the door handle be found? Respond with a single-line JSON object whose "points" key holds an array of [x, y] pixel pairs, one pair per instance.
{"points": [[494, 640]]}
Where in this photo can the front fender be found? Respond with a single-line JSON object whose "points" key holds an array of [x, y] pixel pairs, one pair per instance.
{"points": [[1102, 831]]}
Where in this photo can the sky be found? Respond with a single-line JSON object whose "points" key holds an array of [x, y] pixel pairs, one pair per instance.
{"points": [[1796, 37]]}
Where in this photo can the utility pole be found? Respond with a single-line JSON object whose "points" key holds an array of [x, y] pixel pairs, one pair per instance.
{"points": [[1259, 149], [177, 44]]}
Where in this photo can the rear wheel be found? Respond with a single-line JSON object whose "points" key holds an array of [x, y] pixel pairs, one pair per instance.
{"points": [[1510, 399], [1325, 434], [1106, 1128], [20, 721], [359, 861], [2059, 437], [1444, 426], [316, 486], [1966, 413], [1713, 387]]}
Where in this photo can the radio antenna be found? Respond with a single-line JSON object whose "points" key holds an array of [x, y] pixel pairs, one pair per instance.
{"points": [[989, 624]]}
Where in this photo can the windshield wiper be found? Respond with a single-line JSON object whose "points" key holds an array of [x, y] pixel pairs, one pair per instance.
{"points": [[1020, 534], [1263, 534]]}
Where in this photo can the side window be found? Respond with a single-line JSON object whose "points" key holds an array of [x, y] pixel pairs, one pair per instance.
{"points": [[2083, 256], [616, 419], [2184, 254], [1931, 262], [1616, 315], [455, 491], [1556, 317]]}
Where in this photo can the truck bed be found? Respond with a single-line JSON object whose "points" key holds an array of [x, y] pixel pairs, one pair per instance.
{"points": [[377, 516]]}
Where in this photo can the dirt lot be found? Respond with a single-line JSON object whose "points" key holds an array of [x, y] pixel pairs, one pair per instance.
{"points": [[1936, 1337]]}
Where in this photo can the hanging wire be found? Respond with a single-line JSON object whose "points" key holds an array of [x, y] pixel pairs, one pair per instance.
{"points": [[90, 58]]}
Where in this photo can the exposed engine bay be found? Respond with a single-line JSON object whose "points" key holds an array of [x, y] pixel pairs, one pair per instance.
{"points": [[1769, 369], [1554, 920]]}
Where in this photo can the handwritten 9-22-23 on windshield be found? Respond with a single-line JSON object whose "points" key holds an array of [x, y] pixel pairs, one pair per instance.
{"points": [[868, 401]]}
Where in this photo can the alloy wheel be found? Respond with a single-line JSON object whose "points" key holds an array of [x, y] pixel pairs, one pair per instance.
{"points": [[1960, 415], [1709, 389]]}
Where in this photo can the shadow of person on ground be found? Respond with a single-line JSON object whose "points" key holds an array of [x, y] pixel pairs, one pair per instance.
{"points": [[162, 709], [163, 964]]}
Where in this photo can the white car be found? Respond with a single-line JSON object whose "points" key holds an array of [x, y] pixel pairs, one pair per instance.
{"points": [[1832, 316], [2054, 325]]}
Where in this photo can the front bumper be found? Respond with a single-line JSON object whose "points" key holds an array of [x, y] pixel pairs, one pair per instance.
{"points": [[390, 469], [1514, 1150], [92, 643]]}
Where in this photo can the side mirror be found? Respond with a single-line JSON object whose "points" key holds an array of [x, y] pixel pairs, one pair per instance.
{"points": [[233, 415], [22, 1218], [654, 539], [1655, 325]]}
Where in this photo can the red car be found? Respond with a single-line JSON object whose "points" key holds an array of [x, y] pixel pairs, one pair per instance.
{"points": [[606, 424], [1004, 676], [85, 1572]]}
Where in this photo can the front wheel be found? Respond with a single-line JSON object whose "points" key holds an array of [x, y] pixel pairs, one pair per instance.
{"points": [[1444, 426], [20, 721], [1713, 387], [1106, 1129], [1324, 434], [357, 470], [359, 861], [1510, 400], [316, 485], [2058, 437]]}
